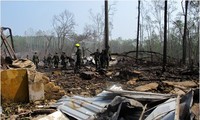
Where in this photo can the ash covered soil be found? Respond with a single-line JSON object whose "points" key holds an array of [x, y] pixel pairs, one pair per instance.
{"points": [[144, 76]]}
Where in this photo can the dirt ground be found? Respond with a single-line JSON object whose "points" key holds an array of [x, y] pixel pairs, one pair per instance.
{"points": [[125, 73]]}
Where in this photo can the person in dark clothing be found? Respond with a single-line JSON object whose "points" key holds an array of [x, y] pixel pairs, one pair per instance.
{"points": [[49, 60], [45, 62], [107, 57], [102, 59], [27, 57], [63, 63], [97, 59], [36, 59], [78, 58], [56, 60]]}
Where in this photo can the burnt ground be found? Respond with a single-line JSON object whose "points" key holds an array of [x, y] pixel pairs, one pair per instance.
{"points": [[125, 73]]}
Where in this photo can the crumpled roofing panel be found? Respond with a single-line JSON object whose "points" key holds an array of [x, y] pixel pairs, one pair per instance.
{"points": [[84, 108]]}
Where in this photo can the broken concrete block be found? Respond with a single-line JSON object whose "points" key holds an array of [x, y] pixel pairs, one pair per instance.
{"points": [[36, 85], [14, 85], [87, 75], [36, 91], [147, 87], [48, 87]]}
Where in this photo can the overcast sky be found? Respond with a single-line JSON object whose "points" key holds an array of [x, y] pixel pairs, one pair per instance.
{"points": [[23, 15]]}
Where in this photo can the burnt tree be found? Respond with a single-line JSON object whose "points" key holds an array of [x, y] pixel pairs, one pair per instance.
{"points": [[165, 38], [138, 30], [185, 33], [106, 26]]}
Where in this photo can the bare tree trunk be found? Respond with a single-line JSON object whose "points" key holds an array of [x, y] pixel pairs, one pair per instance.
{"points": [[138, 29], [106, 25], [197, 50], [189, 47], [165, 39], [185, 34]]}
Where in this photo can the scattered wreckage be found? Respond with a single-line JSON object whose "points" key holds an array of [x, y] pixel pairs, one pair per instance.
{"points": [[20, 82], [117, 104]]}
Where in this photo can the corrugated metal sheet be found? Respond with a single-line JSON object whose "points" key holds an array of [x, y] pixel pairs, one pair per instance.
{"points": [[142, 96], [84, 108]]}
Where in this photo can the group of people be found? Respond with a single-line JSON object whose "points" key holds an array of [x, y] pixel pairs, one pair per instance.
{"points": [[101, 59], [51, 61], [47, 61]]}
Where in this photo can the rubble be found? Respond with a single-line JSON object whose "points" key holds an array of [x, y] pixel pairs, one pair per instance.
{"points": [[132, 81], [58, 115], [14, 85], [147, 87], [177, 91], [87, 75], [187, 84], [195, 110], [91, 86], [116, 104]]}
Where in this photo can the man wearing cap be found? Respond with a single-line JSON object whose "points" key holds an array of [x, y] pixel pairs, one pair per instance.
{"points": [[78, 58]]}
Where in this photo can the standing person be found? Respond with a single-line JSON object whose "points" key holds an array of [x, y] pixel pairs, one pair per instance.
{"points": [[78, 58], [56, 60], [36, 59], [49, 60], [107, 57], [102, 59], [27, 57], [45, 62], [63, 63], [97, 59]]}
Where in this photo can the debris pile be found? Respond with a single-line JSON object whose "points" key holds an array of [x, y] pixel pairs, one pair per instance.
{"points": [[143, 87], [52, 91], [116, 103]]}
